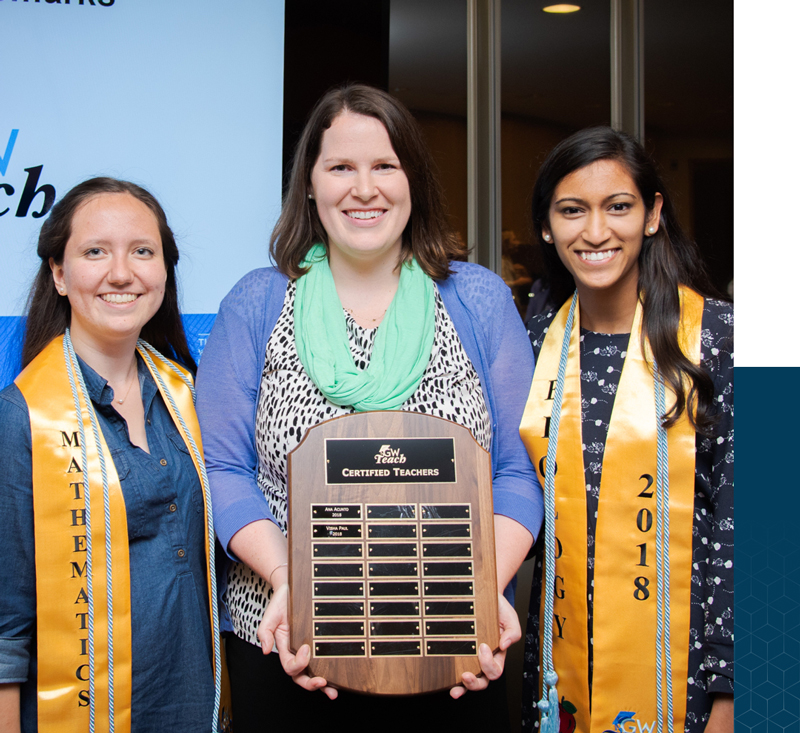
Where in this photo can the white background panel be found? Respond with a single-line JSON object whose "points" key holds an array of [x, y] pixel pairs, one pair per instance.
{"points": [[184, 97]]}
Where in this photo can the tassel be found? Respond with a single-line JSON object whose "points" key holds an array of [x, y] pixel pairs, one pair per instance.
{"points": [[548, 707]]}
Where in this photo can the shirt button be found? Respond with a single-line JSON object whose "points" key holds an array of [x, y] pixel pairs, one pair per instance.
{"points": [[163, 461], [173, 507], [181, 553]]}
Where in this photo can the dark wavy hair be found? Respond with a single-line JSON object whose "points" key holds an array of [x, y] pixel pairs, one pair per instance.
{"points": [[427, 236], [48, 313], [668, 258]]}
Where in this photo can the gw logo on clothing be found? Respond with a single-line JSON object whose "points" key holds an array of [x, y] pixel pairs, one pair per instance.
{"points": [[29, 190], [626, 723]]}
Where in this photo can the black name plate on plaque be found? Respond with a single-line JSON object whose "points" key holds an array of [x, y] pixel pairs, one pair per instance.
{"points": [[392, 568], [398, 461]]}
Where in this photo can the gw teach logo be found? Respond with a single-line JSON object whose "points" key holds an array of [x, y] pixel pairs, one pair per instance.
{"points": [[387, 454], [30, 190]]}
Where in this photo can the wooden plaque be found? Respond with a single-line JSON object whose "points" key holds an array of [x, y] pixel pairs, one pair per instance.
{"points": [[391, 567]]}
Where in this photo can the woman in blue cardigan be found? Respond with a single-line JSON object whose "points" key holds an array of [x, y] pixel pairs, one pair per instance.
{"points": [[365, 286]]}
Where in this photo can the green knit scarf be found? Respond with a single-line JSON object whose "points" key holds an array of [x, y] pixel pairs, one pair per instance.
{"points": [[402, 346]]}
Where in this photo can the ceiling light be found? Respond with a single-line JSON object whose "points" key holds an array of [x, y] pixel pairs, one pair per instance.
{"points": [[562, 8]]}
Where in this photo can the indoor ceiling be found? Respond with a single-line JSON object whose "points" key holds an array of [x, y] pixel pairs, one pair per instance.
{"points": [[556, 68]]}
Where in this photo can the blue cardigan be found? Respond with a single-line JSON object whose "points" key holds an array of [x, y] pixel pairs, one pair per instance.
{"points": [[229, 377]]}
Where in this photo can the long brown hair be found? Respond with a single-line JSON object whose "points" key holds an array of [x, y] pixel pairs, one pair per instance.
{"points": [[48, 313], [427, 236], [668, 258]]}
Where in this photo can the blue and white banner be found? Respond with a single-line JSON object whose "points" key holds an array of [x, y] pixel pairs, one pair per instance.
{"points": [[183, 97]]}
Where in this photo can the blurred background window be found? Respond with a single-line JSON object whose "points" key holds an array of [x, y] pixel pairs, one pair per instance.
{"points": [[688, 113], [428, 73]]}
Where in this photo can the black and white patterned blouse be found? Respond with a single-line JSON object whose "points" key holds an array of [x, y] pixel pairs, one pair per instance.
{"points": [[290, 403], [711, 613]]}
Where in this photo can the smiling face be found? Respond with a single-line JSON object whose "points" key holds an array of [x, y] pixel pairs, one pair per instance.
{"points": [[597, 221], [113, 270], [361, 192]]}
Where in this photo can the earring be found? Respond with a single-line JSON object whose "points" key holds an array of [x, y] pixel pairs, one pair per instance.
{"points": [[311, 196], [546, 237], [651, 230]]}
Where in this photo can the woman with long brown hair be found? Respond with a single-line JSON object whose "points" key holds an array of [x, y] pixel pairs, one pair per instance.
{"points": [[365, 309], [107, 547], [630, 425]]}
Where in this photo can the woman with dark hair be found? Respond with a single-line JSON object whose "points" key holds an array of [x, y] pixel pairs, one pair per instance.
{"points": [[106, 546], [630, 425], [366, 309]]}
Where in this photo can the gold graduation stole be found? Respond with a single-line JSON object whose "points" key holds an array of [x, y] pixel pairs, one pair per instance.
{"points": [[624, 682], [74, 567]]}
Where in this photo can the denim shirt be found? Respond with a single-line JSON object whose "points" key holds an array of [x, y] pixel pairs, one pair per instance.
{"points": [[172, 685]]}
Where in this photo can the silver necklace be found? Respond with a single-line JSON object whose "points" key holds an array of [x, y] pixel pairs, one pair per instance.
{"points": [[130, 384], [371, 320]]}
